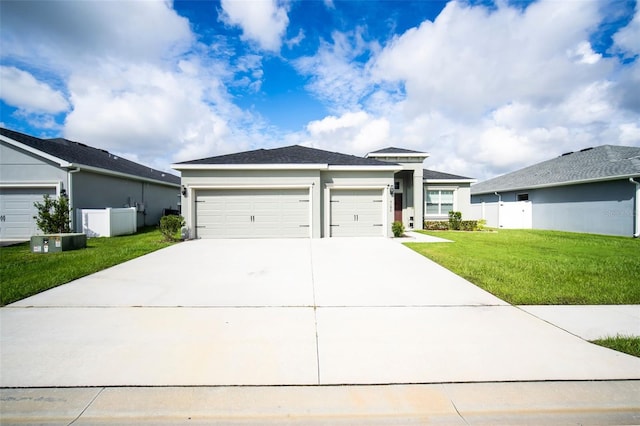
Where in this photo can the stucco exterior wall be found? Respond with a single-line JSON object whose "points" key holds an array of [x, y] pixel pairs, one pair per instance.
{"points": [[18, 166], [598, 208], [94, 191]]}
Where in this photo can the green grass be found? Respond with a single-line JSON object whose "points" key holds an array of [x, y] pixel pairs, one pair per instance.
{"points": [[627, 344], [531, 267], [23, 274]]}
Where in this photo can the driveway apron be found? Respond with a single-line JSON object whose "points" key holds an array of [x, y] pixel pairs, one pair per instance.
{"points": [[285, 312]]}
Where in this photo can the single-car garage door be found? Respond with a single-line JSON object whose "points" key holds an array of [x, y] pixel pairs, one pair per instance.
{"points": [[252, 213], [17, 211], [357, 213]]}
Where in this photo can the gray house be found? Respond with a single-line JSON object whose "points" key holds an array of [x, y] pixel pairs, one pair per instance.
{"points": [[91, 178], [595, 190], [304, 192]]}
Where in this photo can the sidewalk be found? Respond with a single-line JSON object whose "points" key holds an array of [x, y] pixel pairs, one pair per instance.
{"points": [[549, 403]]}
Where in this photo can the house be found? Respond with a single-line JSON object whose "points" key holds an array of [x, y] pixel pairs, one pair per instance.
{"points": [[595, 190], [91, 178], [297, 191]]}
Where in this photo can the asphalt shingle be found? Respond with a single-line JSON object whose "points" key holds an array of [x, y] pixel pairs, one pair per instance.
{"points": [[435, 175], [294, 154], [81, 154], [394, 150], [602, 162]]}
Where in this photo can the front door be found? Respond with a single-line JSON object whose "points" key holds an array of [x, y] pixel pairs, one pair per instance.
{"points": [[397, 207]]}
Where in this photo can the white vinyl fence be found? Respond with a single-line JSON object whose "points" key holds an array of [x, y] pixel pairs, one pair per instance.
{"points": [[506, 215], [107, 222]]}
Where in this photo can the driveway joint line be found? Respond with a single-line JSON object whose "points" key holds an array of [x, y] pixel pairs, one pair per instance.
{"points": [[315, 312], [87, 406]]}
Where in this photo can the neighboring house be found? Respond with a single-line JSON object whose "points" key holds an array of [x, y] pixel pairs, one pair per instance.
{"points": [[595, 190], [91, 178], [304, 192]]}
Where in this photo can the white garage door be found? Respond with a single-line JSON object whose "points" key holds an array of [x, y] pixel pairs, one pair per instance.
{"points": [[252, 213], [17, 211], [357, 213]]}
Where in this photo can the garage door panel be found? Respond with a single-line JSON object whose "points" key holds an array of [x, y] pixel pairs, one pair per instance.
{"points": [[253, 213], [357, 213], [17, 211]]}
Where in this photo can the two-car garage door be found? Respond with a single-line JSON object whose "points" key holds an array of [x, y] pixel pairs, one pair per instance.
{"points": [[253, 213], [285, 213]]}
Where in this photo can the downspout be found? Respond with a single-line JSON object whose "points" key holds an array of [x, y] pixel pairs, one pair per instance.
{"points": [[637, 216], [70, 195], [499, 201]]}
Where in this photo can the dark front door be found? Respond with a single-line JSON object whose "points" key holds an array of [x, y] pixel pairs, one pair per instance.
{"points": [[397, 207]]}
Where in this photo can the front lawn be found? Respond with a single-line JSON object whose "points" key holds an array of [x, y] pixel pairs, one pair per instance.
{"points": [[23, 274], [531, 267]]}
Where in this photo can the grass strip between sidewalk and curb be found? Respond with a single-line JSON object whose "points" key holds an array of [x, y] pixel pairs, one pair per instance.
{"points": [[533, 267], [23, 274]]}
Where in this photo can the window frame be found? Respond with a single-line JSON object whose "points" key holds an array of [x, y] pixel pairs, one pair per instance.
{"points": [[453, 190]]}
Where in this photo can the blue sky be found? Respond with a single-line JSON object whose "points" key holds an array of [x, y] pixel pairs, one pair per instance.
{"points": [[484, 87]]}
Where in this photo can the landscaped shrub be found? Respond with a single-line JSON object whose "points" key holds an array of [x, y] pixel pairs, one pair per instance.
{"points": [[397, 228], [468, 225], [442, 225], [170, 225], [482, 223], [436, 225], [53, 215], [454, 220]]}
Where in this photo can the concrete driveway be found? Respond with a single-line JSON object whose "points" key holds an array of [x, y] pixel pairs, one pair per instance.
{"points": [[274, 312]]}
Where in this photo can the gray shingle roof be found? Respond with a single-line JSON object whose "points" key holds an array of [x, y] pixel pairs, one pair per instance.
{"points": [[394, 150], [590, 164], [294, 154], [81, 154], [435, 175]]}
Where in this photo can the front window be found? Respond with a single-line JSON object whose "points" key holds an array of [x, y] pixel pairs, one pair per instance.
{"points": [[439, 202]]}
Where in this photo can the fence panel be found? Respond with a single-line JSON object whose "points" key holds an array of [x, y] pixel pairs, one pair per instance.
{"points": [[107, 222], [506, 215]]}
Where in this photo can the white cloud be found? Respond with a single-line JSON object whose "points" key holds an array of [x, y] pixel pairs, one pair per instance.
{"points": [[22, 90], [294, 41], [132, 89], [353, 133], [469, 61], [162, 115], [626, 40], [485, 92], [262, 21], [336, 77], [62, 34], [583, 53], [629, 134]]}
